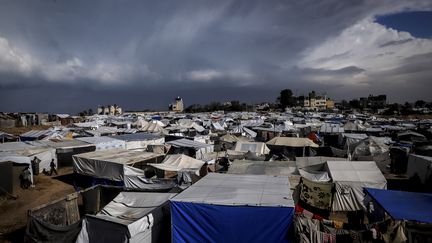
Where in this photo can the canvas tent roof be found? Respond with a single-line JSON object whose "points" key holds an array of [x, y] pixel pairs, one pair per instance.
{"points": [[282, 168], [128, 207], [237, 190], [403, 205], [188, 144], [331, 128], [137, 137], [178, 162], [302, 162], [255, 147], [119, 156], [62, 144], [103, 143], [292, 142], [11, 146], [111, 164]]}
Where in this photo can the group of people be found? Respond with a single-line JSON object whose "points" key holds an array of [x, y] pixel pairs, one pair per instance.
{"points": [[26, 175]]}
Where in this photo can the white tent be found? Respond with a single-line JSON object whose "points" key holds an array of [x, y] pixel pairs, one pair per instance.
{"points": [[20, 150], [178, 162], [350, 178], [104, 143], [256, 147], [280, 168], [201, 148], [111, 164], [140, 140], [129, 217], [292, 142]]}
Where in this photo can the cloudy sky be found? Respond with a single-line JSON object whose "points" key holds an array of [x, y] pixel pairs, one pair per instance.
{"points": [[66, 56]]}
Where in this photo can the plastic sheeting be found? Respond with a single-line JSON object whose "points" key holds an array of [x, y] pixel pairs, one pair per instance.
{"points": [[350, 179], [402, 205], [233, 208], [129, 217], [237, 190], [255, 147], [178, 162], [196, 222], [109, 164], [104, 143], [321, 176], [282, 168], [292, 142]]}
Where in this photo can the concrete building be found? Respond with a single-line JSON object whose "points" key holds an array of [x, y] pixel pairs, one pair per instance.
{"points": [[177, 106]]}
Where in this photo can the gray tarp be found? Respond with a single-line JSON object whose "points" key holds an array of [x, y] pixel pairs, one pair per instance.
{"points": [[110, 164], [230, 190], [129, 217]]}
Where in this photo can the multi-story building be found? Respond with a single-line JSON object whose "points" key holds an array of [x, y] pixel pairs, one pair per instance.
{"points": [[177, 106]]}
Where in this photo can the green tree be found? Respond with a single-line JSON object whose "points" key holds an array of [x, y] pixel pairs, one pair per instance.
{"points": [[285, 98], [420, 103]]}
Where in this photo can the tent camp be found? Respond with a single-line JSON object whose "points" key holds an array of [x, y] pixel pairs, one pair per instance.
{"points": [[401, 205], [115, 165], [350, 178], [104, 143], [223, 207], [130, 217]]}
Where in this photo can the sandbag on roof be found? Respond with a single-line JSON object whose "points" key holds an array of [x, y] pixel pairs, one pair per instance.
{"points": [[292, 142], [178, 162]]}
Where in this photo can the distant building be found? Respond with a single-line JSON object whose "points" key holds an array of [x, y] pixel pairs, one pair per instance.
{"points": [[375, 102], [111, 110], [314, 101], [177, 106]]}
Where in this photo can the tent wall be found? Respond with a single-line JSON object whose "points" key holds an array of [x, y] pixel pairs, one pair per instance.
{"points": [[7, 178], [64, 156], [195, 222]]}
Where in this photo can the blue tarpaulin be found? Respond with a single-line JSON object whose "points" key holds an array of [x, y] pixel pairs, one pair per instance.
{"points": [[401, 205], [198, 222]]}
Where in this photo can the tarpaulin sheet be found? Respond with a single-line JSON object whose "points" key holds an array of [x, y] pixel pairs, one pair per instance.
{"points": [[404, 205], [40, 231], [196, 222]]}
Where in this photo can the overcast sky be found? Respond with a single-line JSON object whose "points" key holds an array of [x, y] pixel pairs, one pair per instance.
{"points": [[66, 56]]}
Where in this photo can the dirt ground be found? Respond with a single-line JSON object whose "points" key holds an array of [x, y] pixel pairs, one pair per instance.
{"points": [[13, 213]]}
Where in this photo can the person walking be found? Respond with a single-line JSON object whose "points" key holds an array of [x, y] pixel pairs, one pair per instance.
{"points": [[53, 168], [25, 178]]}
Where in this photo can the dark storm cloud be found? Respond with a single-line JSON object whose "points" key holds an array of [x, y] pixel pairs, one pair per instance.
{"points": [[65, 56]]}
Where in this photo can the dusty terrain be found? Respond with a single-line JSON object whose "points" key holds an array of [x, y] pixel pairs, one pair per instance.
{"points": [[13, 213]]}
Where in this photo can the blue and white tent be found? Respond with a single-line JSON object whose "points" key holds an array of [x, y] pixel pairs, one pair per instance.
{"points": [[233, 208]]}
